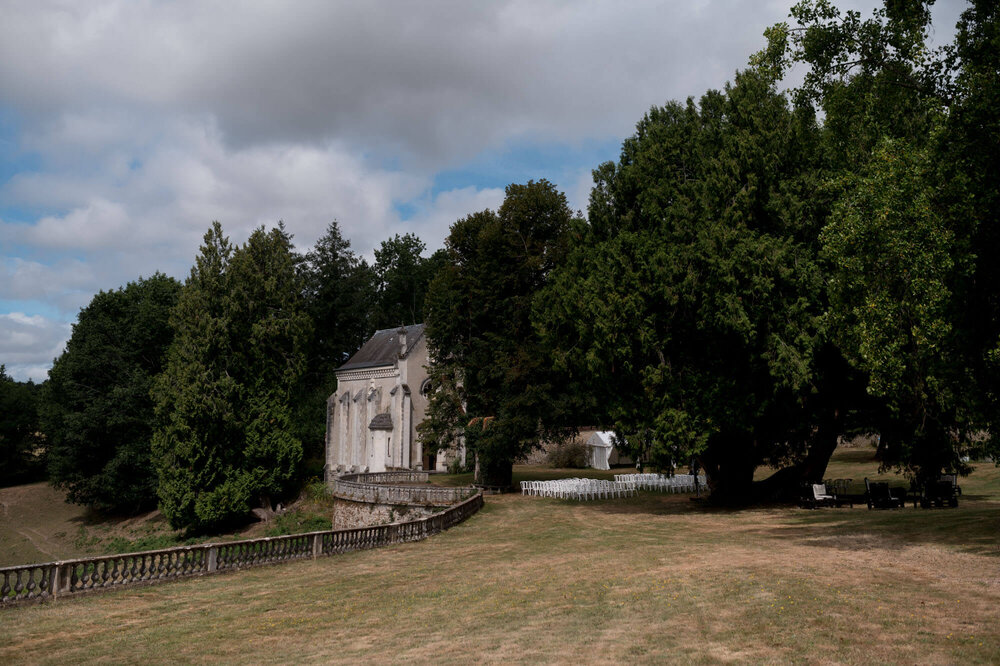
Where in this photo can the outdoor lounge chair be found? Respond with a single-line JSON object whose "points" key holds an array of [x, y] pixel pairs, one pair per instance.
{"points": [[814, 495], [942, 492], [881, 496]]}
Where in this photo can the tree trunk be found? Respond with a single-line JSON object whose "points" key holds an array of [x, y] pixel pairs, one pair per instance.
{"points": [[729, 469], [494, 473], [783, 485]]}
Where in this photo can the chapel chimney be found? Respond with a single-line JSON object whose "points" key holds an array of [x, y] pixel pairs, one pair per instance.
{"points": [[402, 341]]}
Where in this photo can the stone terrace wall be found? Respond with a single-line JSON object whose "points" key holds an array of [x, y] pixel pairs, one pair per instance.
{"points": [[368, 488], [54, 580]]}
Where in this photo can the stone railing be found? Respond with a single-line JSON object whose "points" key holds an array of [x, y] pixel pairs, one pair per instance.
{"points": [[53, 580], [368, 488], [401, 476]]}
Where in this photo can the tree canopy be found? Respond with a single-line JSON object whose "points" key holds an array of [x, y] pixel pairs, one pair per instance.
{"points": [[695, 301], [911, 236], [97, 410], [488, 362], [755, 283], [21, 443], [402, 276]]}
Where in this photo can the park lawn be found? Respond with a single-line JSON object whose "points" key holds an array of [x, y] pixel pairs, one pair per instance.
{"points": [[649, 579]]}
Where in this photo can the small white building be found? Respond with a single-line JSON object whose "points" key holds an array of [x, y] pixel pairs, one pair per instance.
{"points": [[602, 452], [382, 393]]}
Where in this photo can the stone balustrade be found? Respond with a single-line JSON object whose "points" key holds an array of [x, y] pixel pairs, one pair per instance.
{"points": [[53, 580], [369, 488], [398, 476]]}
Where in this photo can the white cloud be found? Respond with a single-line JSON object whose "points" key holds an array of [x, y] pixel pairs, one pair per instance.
{"points": [[159, 207], [29, 344], [55, 283], [434, 215], [150, 217]]}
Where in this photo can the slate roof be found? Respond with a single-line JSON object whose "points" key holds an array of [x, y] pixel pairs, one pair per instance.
{"points": [[381, 422], [383, 348]]}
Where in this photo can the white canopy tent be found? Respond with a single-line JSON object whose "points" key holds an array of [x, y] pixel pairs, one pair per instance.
{"points": [[601, 450]]}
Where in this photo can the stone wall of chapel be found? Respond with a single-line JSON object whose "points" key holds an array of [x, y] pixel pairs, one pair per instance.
{"points": [[416, 373], [363, 393]]}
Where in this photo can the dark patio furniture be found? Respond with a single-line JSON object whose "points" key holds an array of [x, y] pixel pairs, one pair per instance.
{"points": [[881, 496], [942, 492], [840, 489]]}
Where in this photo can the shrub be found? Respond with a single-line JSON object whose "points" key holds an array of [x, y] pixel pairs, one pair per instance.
{"points": [[568, 454]]}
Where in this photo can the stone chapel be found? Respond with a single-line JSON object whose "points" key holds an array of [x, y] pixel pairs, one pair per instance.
{"points": [[382, 393]]}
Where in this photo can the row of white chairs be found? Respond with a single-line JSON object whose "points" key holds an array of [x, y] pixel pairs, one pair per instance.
{"points": [[578, 489], [678, 483]]}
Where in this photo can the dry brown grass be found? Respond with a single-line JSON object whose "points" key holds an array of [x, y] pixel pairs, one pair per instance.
{"points": [[651, 579], [36, 524]]}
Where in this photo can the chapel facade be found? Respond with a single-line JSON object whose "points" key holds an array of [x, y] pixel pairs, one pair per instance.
{"points": [[382, 394]]}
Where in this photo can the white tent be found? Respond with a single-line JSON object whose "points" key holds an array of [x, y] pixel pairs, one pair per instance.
{"points": [[600, 447]]}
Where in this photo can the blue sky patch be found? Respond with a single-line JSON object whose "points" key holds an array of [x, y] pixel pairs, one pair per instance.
{"points": [[524, 161]]}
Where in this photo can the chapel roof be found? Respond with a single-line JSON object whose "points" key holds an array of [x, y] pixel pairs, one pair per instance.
{"points": [[383, 348]]}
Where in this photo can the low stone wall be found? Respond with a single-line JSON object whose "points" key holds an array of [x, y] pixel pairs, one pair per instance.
{"points": [[54, 580], [347, 513], [368, 488]]}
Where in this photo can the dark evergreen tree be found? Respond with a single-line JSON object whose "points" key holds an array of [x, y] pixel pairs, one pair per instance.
{"points": [[340, 299], [402, 275], [97, 410], [21, 444], [486, 353], [224, 442], [695, 303]]}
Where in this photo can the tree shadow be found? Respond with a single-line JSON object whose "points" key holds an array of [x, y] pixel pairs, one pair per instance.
{"points": [[972, 529]]}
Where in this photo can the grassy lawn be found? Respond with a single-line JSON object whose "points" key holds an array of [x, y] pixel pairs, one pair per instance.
{"points": [[656, 578]]}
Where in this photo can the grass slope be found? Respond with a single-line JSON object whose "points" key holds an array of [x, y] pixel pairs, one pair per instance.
{"points": [[657, 578], [38, 525]]}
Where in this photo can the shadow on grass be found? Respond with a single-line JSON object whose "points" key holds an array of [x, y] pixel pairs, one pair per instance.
{"points": [[973, 528]]}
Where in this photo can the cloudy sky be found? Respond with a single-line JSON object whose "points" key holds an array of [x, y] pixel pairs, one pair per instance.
{"points": [[127, 126]]}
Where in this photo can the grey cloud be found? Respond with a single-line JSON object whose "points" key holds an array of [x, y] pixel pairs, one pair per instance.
{"points": [[433, 82]]}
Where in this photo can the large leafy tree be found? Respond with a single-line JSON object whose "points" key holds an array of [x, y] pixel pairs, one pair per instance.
{"points": [[20, 439], [695, 302], [895, 263], [914, 140], [488, 360], [98, 412], [224, 442]]}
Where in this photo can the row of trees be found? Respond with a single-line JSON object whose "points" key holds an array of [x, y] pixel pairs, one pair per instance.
{"points": [[753, 283], [207, 398]]}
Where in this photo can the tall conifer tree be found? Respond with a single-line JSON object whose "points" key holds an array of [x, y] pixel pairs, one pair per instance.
{"points": [[224, 443]]}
